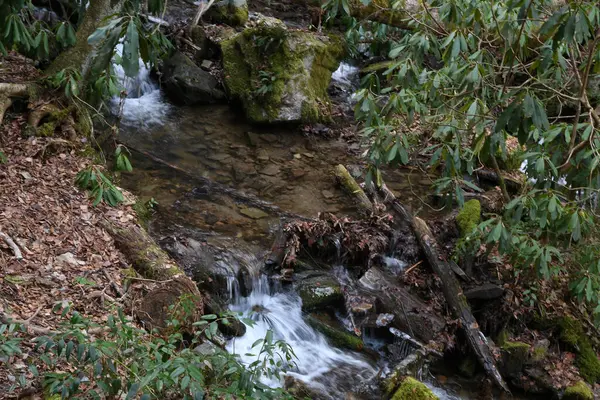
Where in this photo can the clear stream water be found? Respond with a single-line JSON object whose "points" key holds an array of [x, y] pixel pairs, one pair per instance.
{"points": [[287, 169]]}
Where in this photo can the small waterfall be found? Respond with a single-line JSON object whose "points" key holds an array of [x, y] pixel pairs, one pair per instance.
{"points": [[318, 364], [144, 105]]}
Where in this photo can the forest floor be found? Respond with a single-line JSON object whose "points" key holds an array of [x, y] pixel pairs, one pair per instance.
{"points": [[68, 260]]}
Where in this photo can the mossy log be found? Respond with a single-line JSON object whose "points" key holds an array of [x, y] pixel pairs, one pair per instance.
{"points": [[351, 187], [453, 293], [177, 297]]}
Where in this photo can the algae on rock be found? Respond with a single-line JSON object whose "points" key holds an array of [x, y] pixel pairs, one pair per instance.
{"points": [[412, 389], [579, 391], [280, 75], [572, 333], [230, 12]]}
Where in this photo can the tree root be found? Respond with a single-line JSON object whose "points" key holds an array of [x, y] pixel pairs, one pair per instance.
{"points": [[39, 113], [9, 90], [13, 246]]}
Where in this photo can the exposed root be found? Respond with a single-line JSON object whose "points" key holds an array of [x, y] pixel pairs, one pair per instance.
{"points": [[36, 115], [5, 103], [8, 90], [13, 246], [53, 143]]}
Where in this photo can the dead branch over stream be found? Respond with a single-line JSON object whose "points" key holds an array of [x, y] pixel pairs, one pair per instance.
{"points": [[452, 290]]}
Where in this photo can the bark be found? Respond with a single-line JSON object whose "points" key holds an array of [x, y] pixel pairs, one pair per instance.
{"points": [[177, 297], [79, 56], [353, 189], [411, 315], [453, 293], [7, 92]]}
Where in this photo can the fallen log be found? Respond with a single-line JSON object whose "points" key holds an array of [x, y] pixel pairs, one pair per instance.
{"points": [[352, 188], [452, 290], [176, 292]]}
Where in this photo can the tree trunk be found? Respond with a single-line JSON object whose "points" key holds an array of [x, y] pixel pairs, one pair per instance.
{"points": [[452, 291], [78, 56]]}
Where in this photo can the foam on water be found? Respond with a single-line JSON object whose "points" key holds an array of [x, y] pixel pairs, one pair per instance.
{"points": [[318, 364], [144, 105]]}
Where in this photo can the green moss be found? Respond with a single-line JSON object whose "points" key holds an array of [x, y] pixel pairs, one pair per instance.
{"points": [[143, 213], [515, 346], [579, 391], [47, 129], [270, 47], [502, 337], [227, 12], [469, 217], [318, 297], [539, 353], [337, 337], [573, 334], [412, 389]]}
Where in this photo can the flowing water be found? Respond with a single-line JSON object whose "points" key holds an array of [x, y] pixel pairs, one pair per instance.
{"points": [[289, 170]]}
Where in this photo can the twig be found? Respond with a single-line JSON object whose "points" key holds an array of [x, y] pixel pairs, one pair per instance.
{"points": [[114, 285], [415, 265], [13, 246]]}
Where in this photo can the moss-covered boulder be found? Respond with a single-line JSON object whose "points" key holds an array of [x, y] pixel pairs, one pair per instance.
{"points": [[412, 389], [514, 357], [468, 217], [230, 12], [573, 334], [337, 337], [320, 291], [410, 366], [280, 75], [579, 391]]}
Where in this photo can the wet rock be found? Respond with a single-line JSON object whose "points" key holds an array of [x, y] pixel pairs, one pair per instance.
{"points": [[514, 357], [186, 83], [320, 291], [328, 194], [270, 170], [299, 389], [254, 213], [230, 12], [412, 389], [487, 291], [360, 304], [206, 349], [408, 367], [410, 313], [201, 41], [279, 75], [336, 336], [579, 391], [296, 173]]}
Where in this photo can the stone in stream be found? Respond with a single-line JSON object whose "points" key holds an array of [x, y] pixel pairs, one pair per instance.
{"points": [[254, 213], [319, 292], [514, 357], [279, 75], [336, 336], [186, 83]]}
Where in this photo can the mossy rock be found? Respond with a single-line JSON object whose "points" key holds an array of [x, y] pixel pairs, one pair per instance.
{"points": [[412, 389], [337, 337], [579, 391], [409, 367], [279, 75], [469, 217], [514, 357], [229, 12], [319, 292], [573, 334]]}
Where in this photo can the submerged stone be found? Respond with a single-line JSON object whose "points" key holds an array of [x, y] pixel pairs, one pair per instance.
{"points": [[254, 213], [279, 75], [336, 336]]}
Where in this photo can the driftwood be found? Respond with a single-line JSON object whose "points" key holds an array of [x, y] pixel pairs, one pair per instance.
{"points": [[452, 291], [351, 187]]}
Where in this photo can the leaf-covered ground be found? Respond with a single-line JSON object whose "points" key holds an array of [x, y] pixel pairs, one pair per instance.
{"points": [[67, 256]]}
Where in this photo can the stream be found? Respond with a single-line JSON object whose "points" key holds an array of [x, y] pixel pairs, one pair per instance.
{"points": [[290, 171]]}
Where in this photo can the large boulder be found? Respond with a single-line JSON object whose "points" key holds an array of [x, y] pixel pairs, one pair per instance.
{"points": [[186, 83], [230, 12], [280, 75]]}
